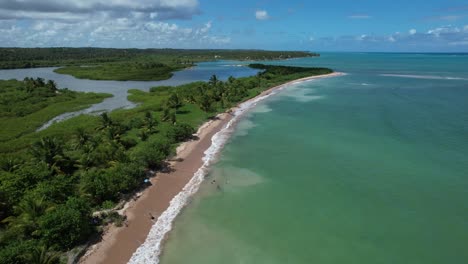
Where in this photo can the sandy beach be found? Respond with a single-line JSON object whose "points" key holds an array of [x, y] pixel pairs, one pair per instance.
{"points": [[119, 243]]}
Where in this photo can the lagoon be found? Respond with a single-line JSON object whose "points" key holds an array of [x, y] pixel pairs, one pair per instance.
{"points": [[119, 89]]}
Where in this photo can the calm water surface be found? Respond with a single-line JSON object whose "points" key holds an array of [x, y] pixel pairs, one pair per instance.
{"points": [[371, 167]]}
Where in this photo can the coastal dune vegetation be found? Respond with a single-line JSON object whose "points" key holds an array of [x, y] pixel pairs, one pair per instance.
{"points": [[59, 187]]}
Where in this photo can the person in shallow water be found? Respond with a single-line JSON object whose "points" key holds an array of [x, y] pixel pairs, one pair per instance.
{"points": [[218, 187], [151, 216]]}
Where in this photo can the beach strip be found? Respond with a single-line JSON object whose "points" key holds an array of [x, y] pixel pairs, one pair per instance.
{"points": [[153, 212]]}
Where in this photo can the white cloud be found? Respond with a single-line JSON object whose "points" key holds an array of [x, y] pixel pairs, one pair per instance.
{"points": [[443, 30], [104, 23], [65, 9], [261, 15], [362, 37], [444, 38], [122, 32]]}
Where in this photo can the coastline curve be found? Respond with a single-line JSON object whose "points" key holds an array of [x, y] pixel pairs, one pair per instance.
{"points": [[150, 250]]}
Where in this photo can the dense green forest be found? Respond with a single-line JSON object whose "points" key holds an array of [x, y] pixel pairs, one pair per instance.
{"points": [[39, 57], [127, 64], [53, 182], [123, 71], [11, 58]]}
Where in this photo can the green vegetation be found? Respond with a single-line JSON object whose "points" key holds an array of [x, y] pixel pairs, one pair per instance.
{"points": [[138, 71], [13, 58], [127, 64], [26, 105], [52, 181]]}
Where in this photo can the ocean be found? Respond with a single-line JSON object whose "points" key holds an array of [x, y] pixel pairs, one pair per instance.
{"points": [[370, 167]]}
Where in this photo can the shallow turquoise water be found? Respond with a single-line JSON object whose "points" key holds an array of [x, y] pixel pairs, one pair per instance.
{"points": [[364, 168]]}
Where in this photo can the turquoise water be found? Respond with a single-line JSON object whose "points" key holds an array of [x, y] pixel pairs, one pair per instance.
{"points": [[371, 167]]}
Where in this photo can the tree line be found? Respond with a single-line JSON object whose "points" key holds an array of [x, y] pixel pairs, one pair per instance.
{"points": [[11, 58]]}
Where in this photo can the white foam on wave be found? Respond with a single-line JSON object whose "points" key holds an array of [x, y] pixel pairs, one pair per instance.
{"points": [[149, 251], [427, 77]]}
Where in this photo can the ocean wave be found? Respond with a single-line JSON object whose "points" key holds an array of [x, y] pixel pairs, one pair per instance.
{"points": [[149, 251], [427, 77]]}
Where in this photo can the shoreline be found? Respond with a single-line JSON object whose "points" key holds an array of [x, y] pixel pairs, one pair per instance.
{"points": [[150, 214]]}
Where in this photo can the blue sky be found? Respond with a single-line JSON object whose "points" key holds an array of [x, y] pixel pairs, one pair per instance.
{"points": [[411, 25]]}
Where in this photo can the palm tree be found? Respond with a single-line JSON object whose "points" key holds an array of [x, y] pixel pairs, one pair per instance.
{"points": [[86, 159], [49, 150], [144, 134], [29, 84], [106, 121], [205, 103], [169, 115], [28, 212], [9, 163], [51, 85], [150, 122], [165, 114], [41, 255], [174, 102], [81, 138], [172, 117], [114, 132], [39, 82], [213, 80]]}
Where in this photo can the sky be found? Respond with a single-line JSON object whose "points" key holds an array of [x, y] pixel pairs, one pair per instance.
{"points": [[327, 25]]}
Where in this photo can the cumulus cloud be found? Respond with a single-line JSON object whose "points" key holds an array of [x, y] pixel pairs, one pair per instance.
{"points": [[104, 23], [163, 9], [261, 15], [439, 38], [121, 32]]}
